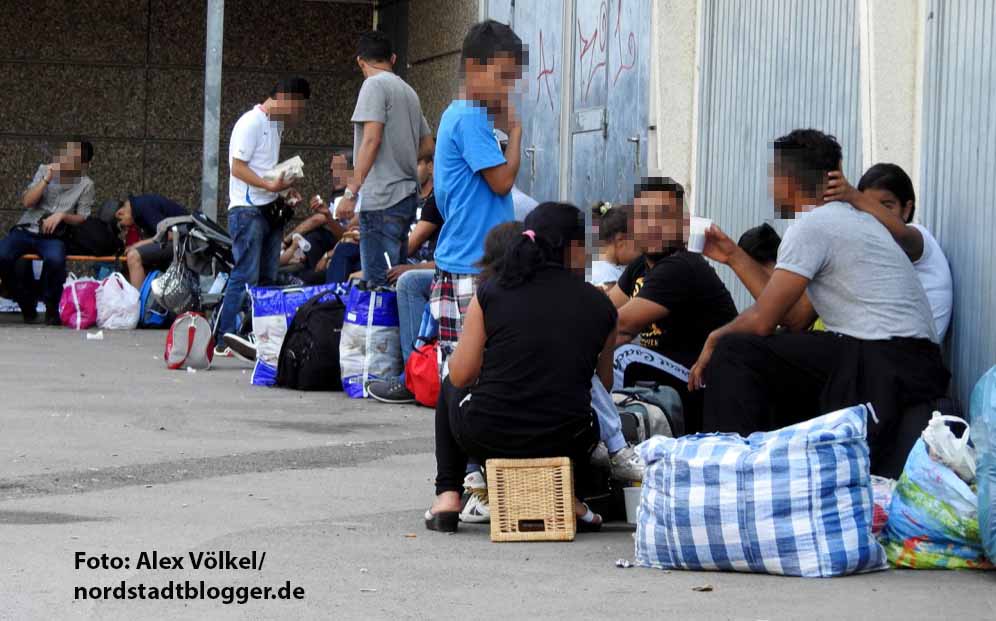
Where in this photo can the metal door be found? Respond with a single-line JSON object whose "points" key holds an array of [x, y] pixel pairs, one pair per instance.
{"points": [[956, 172], [767, 67]]}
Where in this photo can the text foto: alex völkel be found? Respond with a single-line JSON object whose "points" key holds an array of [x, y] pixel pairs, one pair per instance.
{"points": [[213, 560]]}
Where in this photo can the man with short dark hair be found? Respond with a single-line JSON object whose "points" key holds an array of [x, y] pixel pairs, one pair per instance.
{"points": [[389, 133], [145, 212], [256, 212], [61, 193], [880, 341]]}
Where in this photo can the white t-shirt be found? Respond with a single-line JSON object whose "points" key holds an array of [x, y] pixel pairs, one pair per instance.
{"points": [[256, 141], [603, 272], [935, 275], [522, 203]]}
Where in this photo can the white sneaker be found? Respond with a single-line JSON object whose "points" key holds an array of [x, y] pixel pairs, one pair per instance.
{"points": [[600, 456], [626, 465], [477, 510]]}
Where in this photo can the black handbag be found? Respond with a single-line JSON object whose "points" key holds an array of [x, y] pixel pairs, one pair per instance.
{"points": [[277, 214]]}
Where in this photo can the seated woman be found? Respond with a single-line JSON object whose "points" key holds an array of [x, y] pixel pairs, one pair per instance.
{"points": [[145, 212], [518, 382]]}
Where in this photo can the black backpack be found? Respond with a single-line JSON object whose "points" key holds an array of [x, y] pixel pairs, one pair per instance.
{"points": [[94, 237], [309, 355]]}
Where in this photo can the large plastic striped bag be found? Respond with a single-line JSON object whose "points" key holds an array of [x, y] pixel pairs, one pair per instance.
{"points": [[983, 413], [933, 520], [795, 502], [370, 347], [273, 310]]}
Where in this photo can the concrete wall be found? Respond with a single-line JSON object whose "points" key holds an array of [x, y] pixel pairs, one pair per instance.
{"points": [[129, 75], [436, 29]]}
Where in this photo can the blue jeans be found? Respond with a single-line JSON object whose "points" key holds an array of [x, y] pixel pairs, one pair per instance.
{"points": [[345, 260], [385, 231], [256, 249], [609, 424], [53, 254], [413, 294]]}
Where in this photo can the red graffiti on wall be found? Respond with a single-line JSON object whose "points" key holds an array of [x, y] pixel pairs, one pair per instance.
{"points": [[597, 37], [545, 73], [630, 47]]}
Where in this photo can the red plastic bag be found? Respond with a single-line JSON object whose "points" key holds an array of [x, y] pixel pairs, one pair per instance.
{"points": [[422, 374]]}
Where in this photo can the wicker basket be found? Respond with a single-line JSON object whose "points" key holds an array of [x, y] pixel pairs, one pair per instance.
{"points": [[531, 499]]}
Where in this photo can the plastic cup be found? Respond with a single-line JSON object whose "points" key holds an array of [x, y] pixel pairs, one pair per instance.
{"points": [[696, 233], [631, 496]]}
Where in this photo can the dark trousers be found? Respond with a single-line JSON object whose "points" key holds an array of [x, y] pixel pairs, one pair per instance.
{"points": [[345, 260], [758, 383], [53, 255], [457, 440]]}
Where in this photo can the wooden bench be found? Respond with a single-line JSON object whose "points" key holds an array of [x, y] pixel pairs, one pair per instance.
{"points": [[80, 257]]}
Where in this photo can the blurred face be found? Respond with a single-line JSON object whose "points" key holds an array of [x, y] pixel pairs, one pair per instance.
{"points": [[339, 171], [784, 192], [424, 171], [576, 256], [891, 202], [288, 107], [660, 222], [124, 215], [493, 81], [70, 158]]}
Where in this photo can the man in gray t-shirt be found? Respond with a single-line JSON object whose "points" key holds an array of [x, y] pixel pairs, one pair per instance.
{"points": [[389, 134], [60, 194], [879, 345]]}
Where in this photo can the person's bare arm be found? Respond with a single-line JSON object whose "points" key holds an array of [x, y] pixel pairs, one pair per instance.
{"points": [[242, 172], [465, 363], [49, 224], [908, 237], [720, 248], [373, 134], [617, 297], [783, 291], [636, 315], [501, 178], [423, 231], [34, 194], [606, 360], [426, 146]]}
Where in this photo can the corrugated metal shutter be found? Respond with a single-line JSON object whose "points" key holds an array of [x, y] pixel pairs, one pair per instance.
{"points": [[768, 67], [958, 173]]}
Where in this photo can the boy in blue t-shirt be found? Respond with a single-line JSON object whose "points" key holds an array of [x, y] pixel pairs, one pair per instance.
{"points": [[473, 179]]}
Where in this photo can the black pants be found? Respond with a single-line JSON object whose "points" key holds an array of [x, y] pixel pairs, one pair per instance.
{"points": [[763, 383], [458, 439]]}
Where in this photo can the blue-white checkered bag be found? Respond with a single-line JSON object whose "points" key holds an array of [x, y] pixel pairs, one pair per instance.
{"points": [[796, 501]]}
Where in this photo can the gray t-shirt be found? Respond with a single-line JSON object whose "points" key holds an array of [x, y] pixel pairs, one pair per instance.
{"points": [[58, 197], [386, 98], [861, 282]]}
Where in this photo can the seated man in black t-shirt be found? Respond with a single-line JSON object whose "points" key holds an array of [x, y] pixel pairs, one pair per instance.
{"points": [[671, 298], [145, 212]]}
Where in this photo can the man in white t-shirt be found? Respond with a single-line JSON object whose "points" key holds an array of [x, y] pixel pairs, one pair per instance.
{"points": [[886, 192], [254, 219]]}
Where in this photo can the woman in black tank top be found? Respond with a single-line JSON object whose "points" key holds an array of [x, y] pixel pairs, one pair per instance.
{"points": [[520, 378]]}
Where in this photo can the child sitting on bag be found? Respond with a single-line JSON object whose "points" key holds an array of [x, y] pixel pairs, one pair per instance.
{"points": [[519, 379]]}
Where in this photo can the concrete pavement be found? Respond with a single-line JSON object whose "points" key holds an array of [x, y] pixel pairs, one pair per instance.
{"points": [[105, 451]]}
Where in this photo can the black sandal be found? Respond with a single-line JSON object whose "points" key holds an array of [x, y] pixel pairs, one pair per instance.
{"points": [[444, 521]]}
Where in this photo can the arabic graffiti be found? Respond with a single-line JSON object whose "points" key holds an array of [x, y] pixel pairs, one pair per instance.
{"points": [[545, 73], [593, 54]]}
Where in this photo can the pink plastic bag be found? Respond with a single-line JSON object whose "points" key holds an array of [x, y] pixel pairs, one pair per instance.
{"points": [[78, 305]]}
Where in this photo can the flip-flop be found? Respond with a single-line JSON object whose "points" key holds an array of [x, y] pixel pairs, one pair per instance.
{"points": [[444, 521], [590, 522]]}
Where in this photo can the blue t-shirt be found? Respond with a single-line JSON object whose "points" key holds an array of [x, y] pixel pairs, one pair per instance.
{"points": [[148, 210], [466, 145]]}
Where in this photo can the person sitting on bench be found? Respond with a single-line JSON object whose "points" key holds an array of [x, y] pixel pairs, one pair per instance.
{"points": [[879, 346], [518, 381], [145, 212], [60, 193]]}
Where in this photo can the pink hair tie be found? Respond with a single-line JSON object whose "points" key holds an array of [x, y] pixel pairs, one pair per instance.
{"points": [[531, 234]]}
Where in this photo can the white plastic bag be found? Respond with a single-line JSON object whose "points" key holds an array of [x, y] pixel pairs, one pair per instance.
{"points": [[953, 452], [117, 303]]}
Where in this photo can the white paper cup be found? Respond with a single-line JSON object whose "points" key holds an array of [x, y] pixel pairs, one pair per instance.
{"points": [[632, 497], [696, 233]]}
